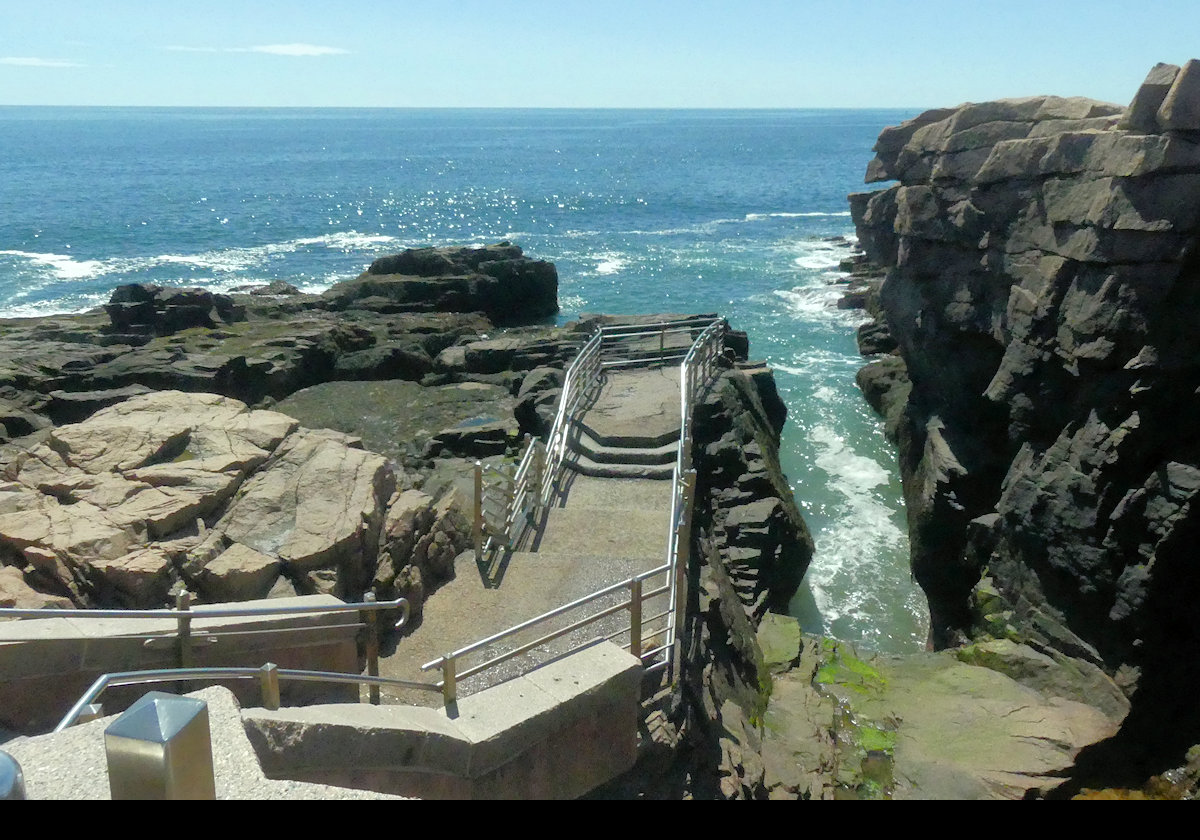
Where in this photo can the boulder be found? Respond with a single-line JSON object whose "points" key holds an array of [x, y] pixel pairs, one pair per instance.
{"points": [[149, 308], [497, 280], [239, 573], [1180, 109], [318, 505], [16, 592], [142, 578], [1142, 113]]}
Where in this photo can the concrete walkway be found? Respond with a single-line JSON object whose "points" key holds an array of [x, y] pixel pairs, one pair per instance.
{"points": [[599, 531]]}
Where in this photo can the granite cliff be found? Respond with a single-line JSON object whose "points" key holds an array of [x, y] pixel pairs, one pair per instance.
{"points": [[1041, 284]]}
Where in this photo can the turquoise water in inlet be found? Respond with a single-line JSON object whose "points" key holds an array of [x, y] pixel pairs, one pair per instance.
{"points": [[642, 211]]}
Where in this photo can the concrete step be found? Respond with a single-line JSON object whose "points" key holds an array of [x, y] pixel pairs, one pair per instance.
{"points": [[586, 466], [627, 439], [636, 408], [602, 453], [614, 495]]}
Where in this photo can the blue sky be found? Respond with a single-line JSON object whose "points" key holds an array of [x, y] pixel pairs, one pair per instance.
{"points": [[583, 53]]}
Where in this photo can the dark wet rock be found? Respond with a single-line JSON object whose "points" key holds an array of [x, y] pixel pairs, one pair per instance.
{"points": [[537, 400], [874, 339], [497, 280], [473, 439], [149, 308], [272, 289]]}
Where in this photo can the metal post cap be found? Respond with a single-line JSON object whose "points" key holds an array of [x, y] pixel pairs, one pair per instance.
{"points": [[12, 780]]}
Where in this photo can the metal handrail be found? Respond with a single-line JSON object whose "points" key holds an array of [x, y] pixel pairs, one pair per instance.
{"points": [[184, 615], [268, 676], [695, 374], [202, 611], [604, 349], [449, 662]]}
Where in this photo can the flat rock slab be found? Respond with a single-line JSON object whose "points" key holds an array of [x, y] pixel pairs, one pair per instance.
{"points": [[395, 417], [951, 730], [636, 407]]}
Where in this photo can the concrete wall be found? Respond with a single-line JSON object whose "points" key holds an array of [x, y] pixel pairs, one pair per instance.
{"points": [[555, 733], [47, 664]]}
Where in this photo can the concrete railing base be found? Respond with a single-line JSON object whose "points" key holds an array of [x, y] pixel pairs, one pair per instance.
{"points": [[554, 733]]}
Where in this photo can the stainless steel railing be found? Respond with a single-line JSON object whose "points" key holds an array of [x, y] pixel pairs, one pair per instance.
{"points": [[698, 343], [641, 629], [696, 373], [631, 345], [185, 637], [268, 676]]}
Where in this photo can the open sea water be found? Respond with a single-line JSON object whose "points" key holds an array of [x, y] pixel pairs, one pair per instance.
{"points": [[642, 211]]}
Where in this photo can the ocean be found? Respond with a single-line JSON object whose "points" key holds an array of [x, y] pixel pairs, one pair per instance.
{"points": [[738, 212]]}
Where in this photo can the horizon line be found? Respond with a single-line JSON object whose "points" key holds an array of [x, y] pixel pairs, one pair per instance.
{"points": [[499, 107]]}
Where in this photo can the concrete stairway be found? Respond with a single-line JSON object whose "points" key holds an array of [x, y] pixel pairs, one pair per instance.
{"points": [[632, 430], [599, 532], [608, 523]]}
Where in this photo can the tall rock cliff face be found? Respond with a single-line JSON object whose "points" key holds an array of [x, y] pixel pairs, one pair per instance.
{"points": [[1043, 286]]}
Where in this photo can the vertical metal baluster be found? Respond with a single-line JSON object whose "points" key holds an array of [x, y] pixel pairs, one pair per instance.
{"points": [[372, 622], [635, 617], [268, 680], [449, 683], [477, 528], [183, 634]]}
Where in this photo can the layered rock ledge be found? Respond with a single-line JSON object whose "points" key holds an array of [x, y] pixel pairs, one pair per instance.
{"points": [[1041, 284]]}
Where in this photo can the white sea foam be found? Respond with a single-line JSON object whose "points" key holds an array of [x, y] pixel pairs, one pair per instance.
{"points": [[849, 550], [758, 217], [218, 269], [61, 266], [816, 363], [853, 474], [817, 304]]}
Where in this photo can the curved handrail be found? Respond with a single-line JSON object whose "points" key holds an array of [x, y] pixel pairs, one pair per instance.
{"points": [[266, 674]]}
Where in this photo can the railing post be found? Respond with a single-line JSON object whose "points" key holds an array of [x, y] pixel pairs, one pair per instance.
{"points": [[685, 525], [183, 632], [268, 681], [635, 617], [372, 622], [681, 579], [161, 748], [535, 477], [477, 526], [449, 683], [510, 503]]}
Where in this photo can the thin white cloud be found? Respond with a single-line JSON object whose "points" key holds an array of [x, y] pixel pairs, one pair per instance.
{"points": [[298, 49], [302, 50], [16, 61]]}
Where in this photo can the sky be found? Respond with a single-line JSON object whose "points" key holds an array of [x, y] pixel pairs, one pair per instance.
{"points": [[583, 53]]}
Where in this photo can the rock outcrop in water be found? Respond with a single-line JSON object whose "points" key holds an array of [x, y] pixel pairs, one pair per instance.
{"points": [[1043, 284]]}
